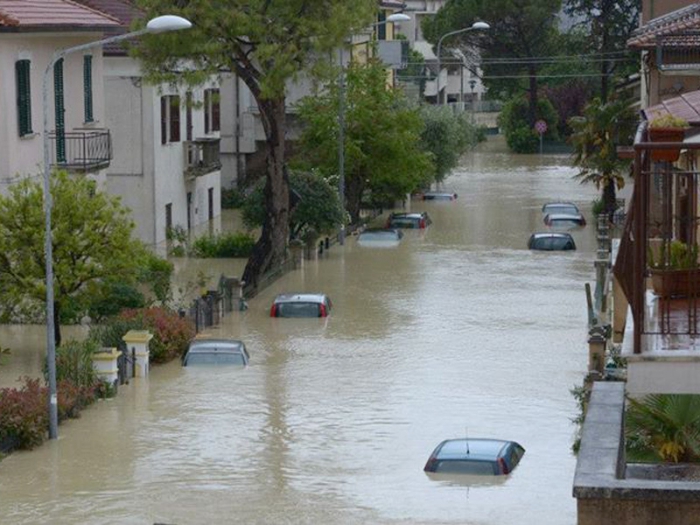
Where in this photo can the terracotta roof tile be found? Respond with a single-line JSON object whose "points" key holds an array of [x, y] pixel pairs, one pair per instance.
{"points": [[685, 19], [50, 14], [686, 106]]}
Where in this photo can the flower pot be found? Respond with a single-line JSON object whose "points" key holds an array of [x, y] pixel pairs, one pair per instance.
{"points": [[666, 135], [676, 283]]}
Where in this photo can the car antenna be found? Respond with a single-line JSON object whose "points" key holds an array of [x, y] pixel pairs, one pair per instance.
{"points": [[466, 438]]}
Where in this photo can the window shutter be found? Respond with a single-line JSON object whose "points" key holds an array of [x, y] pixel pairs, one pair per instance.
{"points": [[163, 120], [215, 111], [60, 111], [207, 106], [87, 87], [24, 97], [381, 28], [188, 113], [175, 118]]}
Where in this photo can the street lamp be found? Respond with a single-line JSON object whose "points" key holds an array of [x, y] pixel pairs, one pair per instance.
{"points": [[474, 26], [393, 18], [159, 24]]}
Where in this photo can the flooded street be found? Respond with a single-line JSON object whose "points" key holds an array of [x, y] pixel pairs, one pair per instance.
{"points": [[460, 330]]}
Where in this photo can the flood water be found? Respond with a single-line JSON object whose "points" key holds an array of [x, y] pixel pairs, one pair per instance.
{"points": [[460, 330]]}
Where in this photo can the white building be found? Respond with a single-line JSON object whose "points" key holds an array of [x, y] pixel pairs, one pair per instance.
{"points": [[78, 135]]}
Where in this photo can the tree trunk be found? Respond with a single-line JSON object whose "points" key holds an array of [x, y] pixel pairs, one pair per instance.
{"points": [[609, 199], [353, 197], [532, 108], [270, 249]]}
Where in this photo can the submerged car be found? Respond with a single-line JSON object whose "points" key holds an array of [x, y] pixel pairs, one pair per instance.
{"points": [[560, 207], [439, 196], [551, 241], [380, 237], [216, 352], [301, 305], [564, 220], [492, 457], [409, 220]]}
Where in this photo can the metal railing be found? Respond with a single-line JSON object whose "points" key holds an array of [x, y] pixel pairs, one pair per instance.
{"points": [[86, 151]]}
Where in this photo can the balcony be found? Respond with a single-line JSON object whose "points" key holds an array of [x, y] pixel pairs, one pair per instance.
{"points": [[201, 157], [662, 341], [679, 53], [84, 151]]}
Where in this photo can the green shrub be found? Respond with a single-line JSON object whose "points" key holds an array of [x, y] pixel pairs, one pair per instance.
{"points": [[156, 273], [114, 296], [232, 198], [74, 363], [171, 333], [223, 245], [523, 140], [597, 207]]}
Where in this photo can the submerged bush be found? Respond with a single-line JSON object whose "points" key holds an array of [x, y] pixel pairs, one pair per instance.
{"points": [[24, 417], [223, 245], [171, 333]]}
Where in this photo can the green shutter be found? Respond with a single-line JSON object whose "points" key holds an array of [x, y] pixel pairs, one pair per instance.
{"points": [[60, 111], [24, 97], [87, 87]]}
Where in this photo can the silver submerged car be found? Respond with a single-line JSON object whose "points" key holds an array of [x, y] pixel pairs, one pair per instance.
{"points": [[216, 352]]}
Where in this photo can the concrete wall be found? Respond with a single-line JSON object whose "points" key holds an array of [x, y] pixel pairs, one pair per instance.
{"points": [[606, 492]]}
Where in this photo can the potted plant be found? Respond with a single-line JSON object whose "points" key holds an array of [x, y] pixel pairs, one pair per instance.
{"points": [[667, 128], [674, 269]]}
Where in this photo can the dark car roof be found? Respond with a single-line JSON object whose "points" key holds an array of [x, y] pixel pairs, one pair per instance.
{"points": [[474, 448], [300, 298]]}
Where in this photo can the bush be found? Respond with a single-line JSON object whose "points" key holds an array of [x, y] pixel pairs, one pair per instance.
{"points": [[156, 273], [224, 245], [113, 297], [523, 140], [171, 333], [231, 198], [74, 363], [24, 417]]}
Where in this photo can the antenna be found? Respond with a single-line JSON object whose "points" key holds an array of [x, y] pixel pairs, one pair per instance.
{"points": [[466, 438]]}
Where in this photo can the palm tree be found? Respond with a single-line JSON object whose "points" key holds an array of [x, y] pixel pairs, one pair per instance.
{"points": [[597, 133], [664, 426]]}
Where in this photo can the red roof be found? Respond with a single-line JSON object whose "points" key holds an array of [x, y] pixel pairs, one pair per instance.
{"points": [[50, 15], [686, 19], [686, 106]]}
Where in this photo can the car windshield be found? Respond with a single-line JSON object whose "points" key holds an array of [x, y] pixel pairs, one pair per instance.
{"points": [[298, 309], [569, 221], [553, 243], [405, 222], [561, 208], [214, 358], [465, 467], [378, 236]]}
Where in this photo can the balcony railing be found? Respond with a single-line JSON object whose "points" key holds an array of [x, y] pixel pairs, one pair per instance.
{"points": [[202, 156], [85, 151], [679, 52], [663, 218]]}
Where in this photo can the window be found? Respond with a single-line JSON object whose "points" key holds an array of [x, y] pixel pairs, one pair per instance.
{"points": [[87, 87], [24, 97], [169, 119], [211, 110], [381, 27], [60, 111], [188, 115]]}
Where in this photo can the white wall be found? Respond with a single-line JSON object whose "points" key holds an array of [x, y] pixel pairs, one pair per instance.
{"points": [[25, 155]]}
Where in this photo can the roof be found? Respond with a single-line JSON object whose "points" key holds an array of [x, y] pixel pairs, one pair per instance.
{"points": [[51, 15], [123, 10], [682, 20], [686, 106]]}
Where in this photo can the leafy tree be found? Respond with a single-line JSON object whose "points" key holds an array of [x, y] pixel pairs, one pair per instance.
{"points": [[317, 207], [446, 136], [597, 133], [521, 30], [92, 246], [514, 123], [383, 154], [266, 44], [609, 24], [665, 427]]}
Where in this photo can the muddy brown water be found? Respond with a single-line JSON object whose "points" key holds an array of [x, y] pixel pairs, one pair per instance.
{"points": [[460, 330]]}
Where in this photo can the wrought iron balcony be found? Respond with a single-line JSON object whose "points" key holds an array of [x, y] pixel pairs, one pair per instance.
{"points": [[202, 156], [679, 53], [81, 150]]}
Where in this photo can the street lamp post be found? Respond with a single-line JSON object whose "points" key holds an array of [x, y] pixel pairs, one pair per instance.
{"points": [[159, 24], [393, 18], [474, 26]]}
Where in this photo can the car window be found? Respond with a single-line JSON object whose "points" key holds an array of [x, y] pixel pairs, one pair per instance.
{"points": [[515, 455], [402, 222], [214, 359], [561, 243], [465, 467], [298, 309]]}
